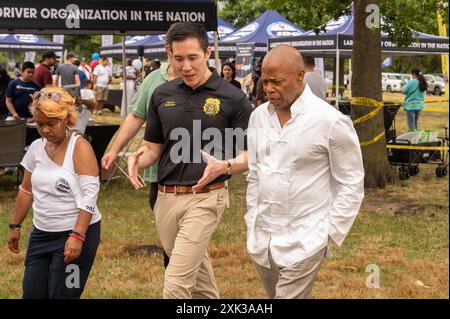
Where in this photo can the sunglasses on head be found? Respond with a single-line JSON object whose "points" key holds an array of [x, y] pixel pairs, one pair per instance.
{"points": [[41, 95]]}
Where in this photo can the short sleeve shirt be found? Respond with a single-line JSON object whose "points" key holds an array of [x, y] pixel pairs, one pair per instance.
{"points": [[212, 117], [21, 92], [67, 72], [139, 106], [42, 75]]}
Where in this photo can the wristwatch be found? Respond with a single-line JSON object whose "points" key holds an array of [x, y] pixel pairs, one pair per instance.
{"points": [[15, 226], [228, 172]]}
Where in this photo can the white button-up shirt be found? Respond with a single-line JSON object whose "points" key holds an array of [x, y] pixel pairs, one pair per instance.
{"points": [[305, 182]]}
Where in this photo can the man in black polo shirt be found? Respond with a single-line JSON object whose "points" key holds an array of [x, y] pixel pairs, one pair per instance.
{"points": [[198, 112]]}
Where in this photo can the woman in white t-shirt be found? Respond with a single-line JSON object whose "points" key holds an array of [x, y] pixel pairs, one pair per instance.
{"points": [[61, 184]]}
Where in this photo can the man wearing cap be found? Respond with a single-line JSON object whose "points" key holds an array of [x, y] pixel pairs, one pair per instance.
{"points": [[68, 73], [42, 74]]}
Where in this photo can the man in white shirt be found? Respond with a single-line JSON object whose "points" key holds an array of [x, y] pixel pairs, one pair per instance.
{"points": [[314, 79], [102, 77], [305, 182]]}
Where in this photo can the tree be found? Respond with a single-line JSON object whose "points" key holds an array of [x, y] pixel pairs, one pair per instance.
{"points": [[399, 18]]}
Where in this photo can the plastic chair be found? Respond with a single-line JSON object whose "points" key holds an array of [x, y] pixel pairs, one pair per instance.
{"points": [[12, 144]]}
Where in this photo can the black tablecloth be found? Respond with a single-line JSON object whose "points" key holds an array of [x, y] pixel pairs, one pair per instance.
{"points": [[98, 134]]}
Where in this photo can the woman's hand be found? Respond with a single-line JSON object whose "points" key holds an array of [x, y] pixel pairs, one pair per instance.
{"points": [[72, 250], [13, 240]]}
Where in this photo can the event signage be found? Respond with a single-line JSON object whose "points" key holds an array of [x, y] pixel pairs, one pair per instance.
{"points": [[244, 64], [104, 16]]}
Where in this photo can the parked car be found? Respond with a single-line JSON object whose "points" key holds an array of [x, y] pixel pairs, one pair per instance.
{"points": [[391, 82], [435, 84]]}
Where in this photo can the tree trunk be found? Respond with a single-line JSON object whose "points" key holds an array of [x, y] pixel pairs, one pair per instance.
{"points": [[366, 83]]}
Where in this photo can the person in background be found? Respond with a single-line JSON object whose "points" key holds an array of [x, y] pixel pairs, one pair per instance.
{"points": [[84, 67], [131, 74], [17, 71], [414, 91], [261, 96], [4, 81], [85, 107], [68, 72], [156, 64], [102, 77], [316, 82], [82, 74], [147, 67], [228, 73], [42, 75], [61, 183], [19, 91]]}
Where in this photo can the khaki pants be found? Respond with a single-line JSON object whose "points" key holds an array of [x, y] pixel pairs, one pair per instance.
{"points": [[294, 282], [185, 223]]}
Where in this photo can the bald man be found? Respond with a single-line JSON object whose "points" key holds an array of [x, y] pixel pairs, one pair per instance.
{"points": [[305, 182]]}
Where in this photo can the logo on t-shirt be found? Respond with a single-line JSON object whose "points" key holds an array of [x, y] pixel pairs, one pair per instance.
{"points": [[62, 186]]}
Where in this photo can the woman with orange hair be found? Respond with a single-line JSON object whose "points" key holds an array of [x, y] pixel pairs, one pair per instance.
{"points": [[61, 184]]}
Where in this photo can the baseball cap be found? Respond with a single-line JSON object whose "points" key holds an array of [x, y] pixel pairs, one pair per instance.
{"points": [[49, 55], [71, 55]]}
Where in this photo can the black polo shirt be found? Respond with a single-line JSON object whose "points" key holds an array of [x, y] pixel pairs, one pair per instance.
{"points": [[212, 117]]}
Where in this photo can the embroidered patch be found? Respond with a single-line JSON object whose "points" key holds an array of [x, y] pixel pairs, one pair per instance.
{"points": [[62, 186], [170, 103], [211, 106]]}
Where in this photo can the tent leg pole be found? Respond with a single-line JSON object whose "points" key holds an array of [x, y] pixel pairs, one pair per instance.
{"points": [[337, 79], [124, 106], [216, 51]]}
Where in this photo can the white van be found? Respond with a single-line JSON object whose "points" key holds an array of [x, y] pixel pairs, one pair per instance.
{"points": [[391, 82]]}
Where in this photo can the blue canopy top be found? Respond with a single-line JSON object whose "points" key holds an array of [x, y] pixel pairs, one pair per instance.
{"points": [[345, 26], [27, 42], [270, 24], [223, 29]]}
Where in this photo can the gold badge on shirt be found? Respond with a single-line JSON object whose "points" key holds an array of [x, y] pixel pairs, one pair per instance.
{"points": [[211, 106], [169, 103]]}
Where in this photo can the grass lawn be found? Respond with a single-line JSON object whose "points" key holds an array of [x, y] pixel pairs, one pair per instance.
{"points": [[403, 229]]}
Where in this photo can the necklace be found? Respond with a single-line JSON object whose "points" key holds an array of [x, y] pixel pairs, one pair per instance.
{"points": [[54, 149]]}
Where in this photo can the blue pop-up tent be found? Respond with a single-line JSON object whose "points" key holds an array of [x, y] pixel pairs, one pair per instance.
{"points": [[157, 50], [27, 42], [270, 24], [133, 46]]}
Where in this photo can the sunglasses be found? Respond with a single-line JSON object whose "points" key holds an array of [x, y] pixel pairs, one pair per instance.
{"points": [[41, 95]]}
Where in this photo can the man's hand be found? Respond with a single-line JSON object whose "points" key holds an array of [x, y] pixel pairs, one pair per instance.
{"points": [[13, 240], [133, 168], [214, 168], [109, 158], [72, 250]]}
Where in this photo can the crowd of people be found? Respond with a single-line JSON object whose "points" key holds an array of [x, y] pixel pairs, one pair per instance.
{"points": [[305, 172]]}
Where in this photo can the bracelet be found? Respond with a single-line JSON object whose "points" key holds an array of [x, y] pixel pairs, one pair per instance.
{"points": [[78, 234], [82, 239], [15, 226], [25, 191]]}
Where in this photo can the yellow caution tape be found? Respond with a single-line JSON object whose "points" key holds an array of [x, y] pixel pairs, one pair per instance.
{"points": [[374, 140], [368, 115], [419, 148], [365, 101]]}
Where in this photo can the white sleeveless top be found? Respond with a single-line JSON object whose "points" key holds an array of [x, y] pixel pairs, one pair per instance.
{"points": [[55, 188]]}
